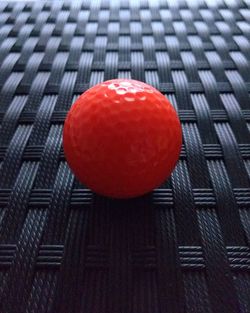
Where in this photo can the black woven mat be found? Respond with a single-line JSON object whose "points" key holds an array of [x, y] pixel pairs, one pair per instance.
{"points": [[183, 248]]}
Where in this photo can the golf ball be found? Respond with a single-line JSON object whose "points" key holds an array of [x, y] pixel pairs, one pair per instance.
{"points": [[122, 138]]}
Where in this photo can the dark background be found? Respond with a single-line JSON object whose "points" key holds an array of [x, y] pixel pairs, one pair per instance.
{"points": [[182, 248]]}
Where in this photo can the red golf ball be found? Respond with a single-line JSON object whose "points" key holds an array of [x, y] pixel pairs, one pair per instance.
{"points": [[122, 138]]}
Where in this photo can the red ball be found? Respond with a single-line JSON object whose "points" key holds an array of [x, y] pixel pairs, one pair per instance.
{"points": [[122, 138]]}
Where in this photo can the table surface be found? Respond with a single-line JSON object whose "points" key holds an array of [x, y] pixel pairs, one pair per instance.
{"points": [[182, 248]]}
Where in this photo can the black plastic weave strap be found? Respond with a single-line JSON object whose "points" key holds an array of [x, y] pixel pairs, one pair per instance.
{"points": [[183, 248]]}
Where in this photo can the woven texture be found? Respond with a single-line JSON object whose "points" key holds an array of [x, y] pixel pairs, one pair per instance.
{"points": [[182, 248]]}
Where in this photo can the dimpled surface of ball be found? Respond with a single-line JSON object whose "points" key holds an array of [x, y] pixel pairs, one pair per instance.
{"points": [[122, 138]]}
